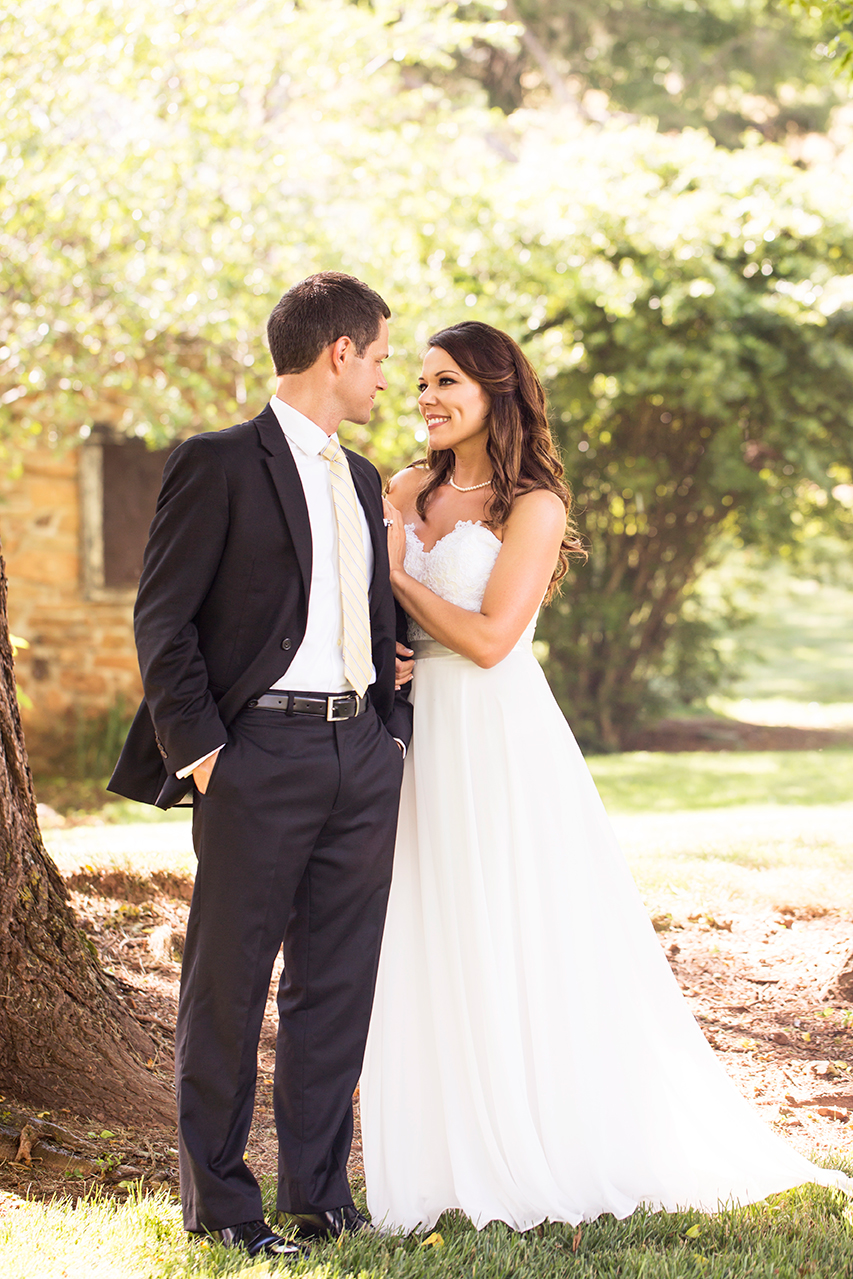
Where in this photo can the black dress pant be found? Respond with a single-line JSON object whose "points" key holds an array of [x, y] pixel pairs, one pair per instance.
{"points": [[295, 841]]}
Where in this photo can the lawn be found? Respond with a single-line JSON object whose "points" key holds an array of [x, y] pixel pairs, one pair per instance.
{"points": [[794, 657], [646, 782], [702, 828], [709, 830], [704, 831], [804, 1232]]}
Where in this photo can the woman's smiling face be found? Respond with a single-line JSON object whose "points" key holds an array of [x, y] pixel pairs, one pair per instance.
{"points": [[454, 406]]}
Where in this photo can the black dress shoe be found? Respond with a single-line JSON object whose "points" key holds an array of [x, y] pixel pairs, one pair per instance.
{"points": [[330, 1222], [256, 1237]]}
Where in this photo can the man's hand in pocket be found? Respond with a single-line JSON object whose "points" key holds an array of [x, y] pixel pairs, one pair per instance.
{"points": [[201, 775]]}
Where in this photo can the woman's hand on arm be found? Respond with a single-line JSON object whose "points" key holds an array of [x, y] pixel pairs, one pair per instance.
{"points": [[524, 567], [396, 537]]}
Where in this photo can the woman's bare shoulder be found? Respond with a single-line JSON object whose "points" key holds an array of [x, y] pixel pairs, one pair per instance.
{"points": [[407, 484], [538, 507]]}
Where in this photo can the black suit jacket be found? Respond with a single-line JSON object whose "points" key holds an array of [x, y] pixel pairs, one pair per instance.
{"points": [[223, 600]]}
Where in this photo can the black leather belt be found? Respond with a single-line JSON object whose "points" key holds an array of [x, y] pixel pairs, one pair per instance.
{"points": [[331, 706]]}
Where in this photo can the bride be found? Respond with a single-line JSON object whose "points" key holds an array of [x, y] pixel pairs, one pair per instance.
{"points": [[530, 1055]]}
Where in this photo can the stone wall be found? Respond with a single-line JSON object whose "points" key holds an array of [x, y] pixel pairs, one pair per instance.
{"points": [[81, 660]]}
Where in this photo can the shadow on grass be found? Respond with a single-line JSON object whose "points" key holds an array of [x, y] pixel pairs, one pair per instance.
{"points": [[642, 781]]}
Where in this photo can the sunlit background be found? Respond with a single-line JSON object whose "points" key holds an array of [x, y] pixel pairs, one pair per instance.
{"points": [[653, 196]]}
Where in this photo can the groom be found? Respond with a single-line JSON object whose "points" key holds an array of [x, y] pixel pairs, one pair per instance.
{"points": [[265, 626]]}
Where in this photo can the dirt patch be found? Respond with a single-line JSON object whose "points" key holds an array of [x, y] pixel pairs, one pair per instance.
{"points": [[705, 734], [128, 888], [755, 981], [756, 984]]}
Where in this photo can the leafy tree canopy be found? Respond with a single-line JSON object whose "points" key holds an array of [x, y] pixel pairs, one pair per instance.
{"points": [[837, 15], [690, 309], [168, 169], [726, 65]]}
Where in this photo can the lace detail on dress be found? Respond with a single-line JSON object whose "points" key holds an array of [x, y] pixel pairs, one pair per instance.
{"points": [[457, 568]]}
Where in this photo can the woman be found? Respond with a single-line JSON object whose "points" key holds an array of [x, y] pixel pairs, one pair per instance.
{"points": [[530, 1055]]}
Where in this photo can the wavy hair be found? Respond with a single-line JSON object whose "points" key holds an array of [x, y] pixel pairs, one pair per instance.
{"points": [[520, 445]]}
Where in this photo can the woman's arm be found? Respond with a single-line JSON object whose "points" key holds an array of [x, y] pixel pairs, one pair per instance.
{"points": [[531, 545]]}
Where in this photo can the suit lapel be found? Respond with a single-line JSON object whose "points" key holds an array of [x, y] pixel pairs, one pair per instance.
{"points": [[372, 512], [288, 486]]}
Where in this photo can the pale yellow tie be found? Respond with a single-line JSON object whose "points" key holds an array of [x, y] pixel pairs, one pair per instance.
{"points": [[352, 568]]}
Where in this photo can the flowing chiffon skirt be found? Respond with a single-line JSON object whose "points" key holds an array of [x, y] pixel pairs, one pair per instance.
{"points": [[530, 1055]]}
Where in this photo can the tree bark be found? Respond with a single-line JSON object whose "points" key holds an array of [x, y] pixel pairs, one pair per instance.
{"points": [[66, 1040]]}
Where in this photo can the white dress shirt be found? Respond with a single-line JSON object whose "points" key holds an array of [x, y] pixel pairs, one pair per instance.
{"points": [[318, 663]]}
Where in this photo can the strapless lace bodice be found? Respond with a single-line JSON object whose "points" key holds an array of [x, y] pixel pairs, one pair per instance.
{"points": [[457, 568]]}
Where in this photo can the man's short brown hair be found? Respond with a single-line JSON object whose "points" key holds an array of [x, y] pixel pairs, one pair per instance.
{"points": [[316, 312]]}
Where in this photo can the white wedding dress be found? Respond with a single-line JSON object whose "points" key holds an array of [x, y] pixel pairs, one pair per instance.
{"points": [[530, 1055]]}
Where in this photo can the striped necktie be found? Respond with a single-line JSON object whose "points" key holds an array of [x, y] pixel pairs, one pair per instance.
{"points": [[352, 569]]}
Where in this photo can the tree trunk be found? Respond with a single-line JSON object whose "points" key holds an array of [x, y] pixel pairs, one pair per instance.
{"points": [[65, 1038]]}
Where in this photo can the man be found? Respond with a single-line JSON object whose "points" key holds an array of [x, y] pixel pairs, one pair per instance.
{"points": [[265, 626]]}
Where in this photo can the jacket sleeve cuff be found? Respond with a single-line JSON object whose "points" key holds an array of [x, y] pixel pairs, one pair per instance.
{"points": [[190, 768]]}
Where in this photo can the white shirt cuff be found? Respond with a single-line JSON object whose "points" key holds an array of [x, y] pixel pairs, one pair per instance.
{"points": [[185, 772]]}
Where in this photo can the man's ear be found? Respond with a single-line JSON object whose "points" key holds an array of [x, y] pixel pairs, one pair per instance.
{"points": [[339, 352]]}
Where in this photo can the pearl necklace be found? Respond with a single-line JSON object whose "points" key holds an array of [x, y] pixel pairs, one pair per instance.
{"points": [[470, 488]]}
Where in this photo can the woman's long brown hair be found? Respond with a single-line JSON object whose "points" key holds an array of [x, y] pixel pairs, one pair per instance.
{"points": [[520, 446]]}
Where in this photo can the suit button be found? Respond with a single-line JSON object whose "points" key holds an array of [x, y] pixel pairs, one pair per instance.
{"points": [[286, 644]]}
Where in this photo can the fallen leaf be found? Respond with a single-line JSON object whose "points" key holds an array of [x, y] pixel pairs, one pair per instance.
{"points": [[694, 1232], [433, 1241], [28, 1139], [723, 925]]}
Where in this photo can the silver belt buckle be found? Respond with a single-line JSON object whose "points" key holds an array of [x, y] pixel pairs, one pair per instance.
{"points": [[331, 706]]}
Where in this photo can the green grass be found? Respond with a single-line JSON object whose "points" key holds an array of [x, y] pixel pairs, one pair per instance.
{"points": [[799, 643], [803, 1232], [77, 799], [641, 781], [703, 831], [757, 858], [714, 830]]}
